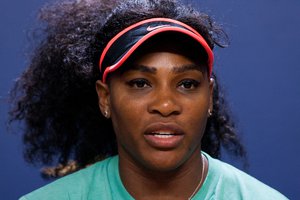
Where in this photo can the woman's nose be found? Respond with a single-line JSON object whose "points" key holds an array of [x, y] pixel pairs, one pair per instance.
{"points": [[165, 103]]}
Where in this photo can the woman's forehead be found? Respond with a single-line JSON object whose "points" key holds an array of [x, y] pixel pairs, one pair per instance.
{"points": [[149, 59]]}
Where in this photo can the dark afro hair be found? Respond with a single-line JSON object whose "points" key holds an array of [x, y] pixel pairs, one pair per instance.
{"points": [[55, 96]]}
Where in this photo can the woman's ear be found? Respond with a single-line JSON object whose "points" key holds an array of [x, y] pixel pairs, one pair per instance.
{"points": [[103, 98]]}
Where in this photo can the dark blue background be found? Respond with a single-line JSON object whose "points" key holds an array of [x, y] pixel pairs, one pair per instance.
{"points": [[260, 71]]}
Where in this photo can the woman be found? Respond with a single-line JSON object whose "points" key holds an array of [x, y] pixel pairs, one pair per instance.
{"points": [[146, 65]]}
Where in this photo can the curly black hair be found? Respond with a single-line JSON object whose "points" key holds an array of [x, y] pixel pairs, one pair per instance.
{"points": [[55, 96]]}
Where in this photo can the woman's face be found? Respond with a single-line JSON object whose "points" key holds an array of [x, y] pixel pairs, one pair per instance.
{"points": [[159, 108]]}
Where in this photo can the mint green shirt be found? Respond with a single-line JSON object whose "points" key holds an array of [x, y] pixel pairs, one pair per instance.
{"points": [[101, 181]]}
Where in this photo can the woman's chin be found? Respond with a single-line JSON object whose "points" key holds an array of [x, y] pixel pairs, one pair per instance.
{"points": [[164, 162]]}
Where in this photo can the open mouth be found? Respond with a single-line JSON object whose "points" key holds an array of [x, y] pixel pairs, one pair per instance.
{"points": [[160, 129], [162, 136]]}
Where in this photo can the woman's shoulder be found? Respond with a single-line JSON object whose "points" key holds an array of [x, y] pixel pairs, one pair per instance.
{"points": [[231, 183], [84, 183]]}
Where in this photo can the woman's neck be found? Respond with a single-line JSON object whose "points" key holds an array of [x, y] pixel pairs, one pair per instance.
{"points": [[179, 183]]}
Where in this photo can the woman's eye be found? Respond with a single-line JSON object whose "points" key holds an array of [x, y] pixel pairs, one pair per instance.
{"points": [[189, 84], [139, 83]]}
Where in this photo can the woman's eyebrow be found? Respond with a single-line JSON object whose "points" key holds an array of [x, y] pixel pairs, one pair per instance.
{"points": [[187, 67], [176, 69], [143, 68]]}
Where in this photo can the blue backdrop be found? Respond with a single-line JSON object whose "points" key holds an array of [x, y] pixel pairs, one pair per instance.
{"points": [[260, 71]]}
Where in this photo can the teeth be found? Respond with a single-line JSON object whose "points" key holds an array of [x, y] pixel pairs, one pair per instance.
{"points": [[163, 135]]}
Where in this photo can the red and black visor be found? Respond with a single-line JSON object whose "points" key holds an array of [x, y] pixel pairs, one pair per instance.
{"points": [[121, 47]]}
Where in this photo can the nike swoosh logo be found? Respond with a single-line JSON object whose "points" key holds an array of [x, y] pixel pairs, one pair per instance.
{"points": [[149, 28]]}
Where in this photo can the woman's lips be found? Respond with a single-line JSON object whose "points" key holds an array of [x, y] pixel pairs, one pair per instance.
{"points": [[164, 136]]}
